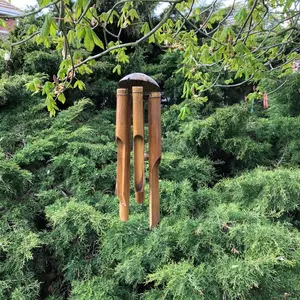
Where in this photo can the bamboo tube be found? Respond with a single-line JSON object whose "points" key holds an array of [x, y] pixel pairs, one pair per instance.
{"points": [[154, 124], [138, 142], [123, 122]]}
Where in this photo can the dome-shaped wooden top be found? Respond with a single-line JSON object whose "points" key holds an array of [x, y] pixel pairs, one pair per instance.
{"points": [[139, 79]]}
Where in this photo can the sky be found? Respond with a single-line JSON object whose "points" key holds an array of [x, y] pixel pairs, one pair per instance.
{"points": [[23, 3], [203, 2]]}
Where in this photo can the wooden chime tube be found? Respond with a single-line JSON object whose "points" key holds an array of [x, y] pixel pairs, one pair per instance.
{"points": [[154, 125], [138, 142], [123, 122]]}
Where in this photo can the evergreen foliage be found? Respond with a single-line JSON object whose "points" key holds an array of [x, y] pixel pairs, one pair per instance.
{"points": [[229, 205], [229, 175]]}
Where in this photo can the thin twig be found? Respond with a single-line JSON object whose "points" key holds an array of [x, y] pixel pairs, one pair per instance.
{"points": [[183, 23], [26, 39], [72, 60], [124, 1], [199, 30], [246, 21], [135, 43], [279, 87], [85, 11], [224, 19], [234, 85], [210, 13]]}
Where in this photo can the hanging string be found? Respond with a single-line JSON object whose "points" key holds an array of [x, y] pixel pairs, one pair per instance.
{"points": [[295, 65], [266, 94], [252, 106]]}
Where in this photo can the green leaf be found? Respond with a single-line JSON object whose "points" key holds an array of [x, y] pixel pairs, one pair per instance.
{"points": [[87, 70], [117, 69], [80, 85], [61, 97], [288, 5], [32, 28], [53, 30], [51, 105], [241, 15], [45, 2], [92, 63], [184, 112], [103, 17], [228, 81], [46, 26], [133, 14], [3, 23], [89, 43], [71, 36], [62, 73], [97, 41], [48, 88], [145, 28], [80, 30], [79, 6], [151, 39], [47, 42]]}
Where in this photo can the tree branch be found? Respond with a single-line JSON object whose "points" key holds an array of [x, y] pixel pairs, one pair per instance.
{"points": [[135, 43], [85, 11], [258, 23], [26, 39], [124, 1], [234, 85], [183, 23], [279, 87], [224, 19], [246, 21], [199, 30], [210, 13]]}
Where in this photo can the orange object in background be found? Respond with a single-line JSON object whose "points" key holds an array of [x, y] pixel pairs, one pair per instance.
{"points": [[266, 101]]}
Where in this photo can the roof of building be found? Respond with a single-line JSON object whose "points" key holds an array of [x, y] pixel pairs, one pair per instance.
{"points": [[7, 8]]}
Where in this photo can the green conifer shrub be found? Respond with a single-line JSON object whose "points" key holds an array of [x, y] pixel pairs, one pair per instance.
{"points": [[61, 238]]}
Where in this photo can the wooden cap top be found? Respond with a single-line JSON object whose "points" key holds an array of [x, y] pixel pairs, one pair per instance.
{"points": [[122, 91], [139, 80]]}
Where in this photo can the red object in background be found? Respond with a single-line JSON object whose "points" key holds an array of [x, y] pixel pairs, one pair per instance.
{"points": [[296, 65], [266, 103], [7, 10], [11, 23]]}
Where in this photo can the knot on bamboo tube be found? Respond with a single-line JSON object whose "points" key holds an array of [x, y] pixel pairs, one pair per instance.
{"points": [[122, 92], [137, 89], [155, 95]]}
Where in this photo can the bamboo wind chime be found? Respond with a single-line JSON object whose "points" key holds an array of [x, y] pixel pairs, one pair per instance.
{"points": [[131, 91]]}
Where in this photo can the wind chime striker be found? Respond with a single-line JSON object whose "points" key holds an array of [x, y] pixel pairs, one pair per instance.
{"points": [[130, 93]]}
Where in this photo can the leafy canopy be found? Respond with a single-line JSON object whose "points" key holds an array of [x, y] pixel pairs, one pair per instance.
{"points": [[245, 40]]}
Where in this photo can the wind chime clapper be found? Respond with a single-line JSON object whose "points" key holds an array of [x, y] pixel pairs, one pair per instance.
{"points": [[131, 91]]}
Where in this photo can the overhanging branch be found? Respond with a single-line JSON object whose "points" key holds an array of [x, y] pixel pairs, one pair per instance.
{"points": [[135, 43]]}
